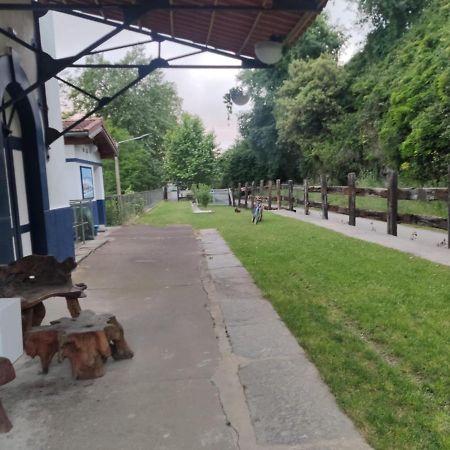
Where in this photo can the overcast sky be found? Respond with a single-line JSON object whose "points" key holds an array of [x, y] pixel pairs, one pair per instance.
{"points": [[202, 90]]}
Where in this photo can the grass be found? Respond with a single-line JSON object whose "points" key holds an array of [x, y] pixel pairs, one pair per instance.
{"points": [[422, 208], [375, 321]]}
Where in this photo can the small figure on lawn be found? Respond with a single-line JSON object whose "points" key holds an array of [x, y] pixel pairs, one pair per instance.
{"points": [[257, 210]]}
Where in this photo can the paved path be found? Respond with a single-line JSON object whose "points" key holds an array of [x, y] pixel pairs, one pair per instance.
{"points": [[163, 399], [214, 367], [427, 244], [264, 367]]}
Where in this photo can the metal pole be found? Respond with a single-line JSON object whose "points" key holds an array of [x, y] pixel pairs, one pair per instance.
{"points": [[117, 169]]}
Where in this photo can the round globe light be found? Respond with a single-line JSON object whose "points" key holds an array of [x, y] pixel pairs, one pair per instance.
{"points": [[238, 97], [269, 52]]}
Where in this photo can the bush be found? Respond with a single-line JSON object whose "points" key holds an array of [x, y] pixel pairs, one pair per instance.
{"points": [[203, 194]]}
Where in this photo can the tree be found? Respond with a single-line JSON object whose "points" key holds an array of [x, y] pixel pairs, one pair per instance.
{"points": [[190, 153], [152, 106], [138, 172], [239, 164], [309, 104], [258, 127]]}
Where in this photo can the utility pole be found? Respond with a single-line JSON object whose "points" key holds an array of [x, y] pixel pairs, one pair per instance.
{"points": [[116, 161]]}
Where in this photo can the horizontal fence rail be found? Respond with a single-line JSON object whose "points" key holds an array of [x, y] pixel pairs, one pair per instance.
{"points": [[121, 209], [280, 195]]}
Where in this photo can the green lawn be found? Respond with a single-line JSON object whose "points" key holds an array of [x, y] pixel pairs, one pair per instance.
{"points": [[375, 321], [422, 208]]}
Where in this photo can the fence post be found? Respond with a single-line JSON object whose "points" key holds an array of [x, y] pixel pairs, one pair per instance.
{"points": [[269, 195], [246, 195], [324, 196], [278, 194], [448, 217], [239, 194], [252, 198], [306, 196], [230, 195], [351, 199], [261, 187], [291, 195], [392, 202]]}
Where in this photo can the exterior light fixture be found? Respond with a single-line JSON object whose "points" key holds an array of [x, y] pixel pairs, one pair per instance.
{"points": [[269, 52], [238, 96]]}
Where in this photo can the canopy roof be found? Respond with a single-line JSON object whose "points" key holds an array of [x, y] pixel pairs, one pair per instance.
{"points": [[230, 25]]}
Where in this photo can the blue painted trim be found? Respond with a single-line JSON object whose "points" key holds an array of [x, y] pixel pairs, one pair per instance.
{"points": [[60, 238], [15, 143], [83, 161], [25, 228], [6, 233], [101, 211]]}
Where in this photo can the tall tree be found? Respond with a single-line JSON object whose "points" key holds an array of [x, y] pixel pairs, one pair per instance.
{"points": [[258, 127], [190, 153], [152, 107], [309, 104]]}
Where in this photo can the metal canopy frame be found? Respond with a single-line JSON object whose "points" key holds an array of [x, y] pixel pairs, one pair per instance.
{"points": [[49, 67]]}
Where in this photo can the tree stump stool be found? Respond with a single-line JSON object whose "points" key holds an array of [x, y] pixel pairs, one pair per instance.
{"points": [[87, 341], [7, 374]]}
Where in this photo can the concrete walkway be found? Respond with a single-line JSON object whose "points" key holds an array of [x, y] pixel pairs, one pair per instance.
{"points": [[214, 367], [425, 243]]}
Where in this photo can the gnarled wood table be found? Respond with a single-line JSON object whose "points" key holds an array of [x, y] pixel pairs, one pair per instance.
{"points": [[36, 278]]}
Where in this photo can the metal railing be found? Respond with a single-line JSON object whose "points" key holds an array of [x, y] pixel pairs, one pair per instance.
{"points": [[121, 209], [83, 224]]}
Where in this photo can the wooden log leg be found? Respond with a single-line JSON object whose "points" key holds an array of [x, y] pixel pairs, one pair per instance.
{"points": [[73, 305], [42, 343], [115, 335], [5, 423], [87, 353], [38, 314], [27, 321]]}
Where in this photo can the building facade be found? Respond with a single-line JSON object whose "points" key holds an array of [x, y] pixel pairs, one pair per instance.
{"points": [[35, 213]]}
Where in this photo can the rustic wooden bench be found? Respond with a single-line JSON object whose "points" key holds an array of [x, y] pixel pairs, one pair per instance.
{"points": [[7, 374], [36, 278], [87, 341]]}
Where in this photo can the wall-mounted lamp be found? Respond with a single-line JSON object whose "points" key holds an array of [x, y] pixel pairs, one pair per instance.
{"points": [[269, 52]]}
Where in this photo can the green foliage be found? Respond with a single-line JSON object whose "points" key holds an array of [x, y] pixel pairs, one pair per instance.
{"points": [[203, 194], [152, 106], [138, 171], [190, 153], [388, 107], [239, 163], [258, 127], [309, 104]]}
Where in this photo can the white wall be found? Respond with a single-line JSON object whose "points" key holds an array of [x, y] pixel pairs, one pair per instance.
{"points": [[58, 184]]}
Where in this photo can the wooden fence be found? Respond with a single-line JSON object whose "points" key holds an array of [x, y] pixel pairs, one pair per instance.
{"points": [[288, 195]]}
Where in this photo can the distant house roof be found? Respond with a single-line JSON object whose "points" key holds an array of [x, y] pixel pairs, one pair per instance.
{"points": [[91, 131]]}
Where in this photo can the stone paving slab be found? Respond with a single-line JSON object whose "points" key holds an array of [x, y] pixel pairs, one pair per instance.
{"points": [[290, 407], [267, 338], [246, 310]]}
